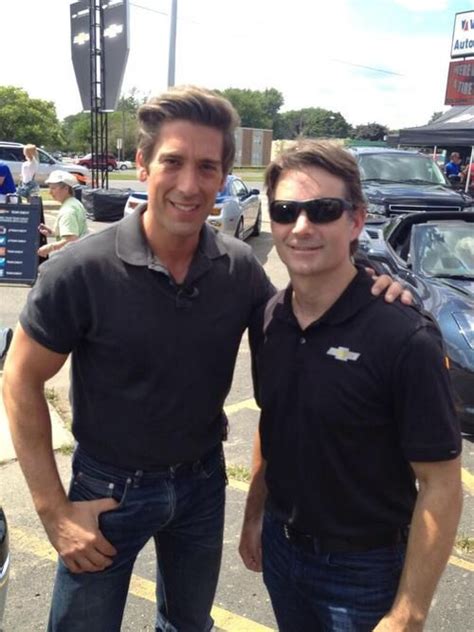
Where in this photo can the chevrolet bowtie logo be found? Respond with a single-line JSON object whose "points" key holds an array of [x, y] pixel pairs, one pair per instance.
{"points": [[342, 353]]}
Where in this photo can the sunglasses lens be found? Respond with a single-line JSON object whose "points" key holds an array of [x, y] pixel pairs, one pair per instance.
{"points": [[284, 212], [325, 210]]}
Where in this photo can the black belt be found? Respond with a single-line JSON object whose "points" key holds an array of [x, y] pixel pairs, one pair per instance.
{"points": [[352, 544]]}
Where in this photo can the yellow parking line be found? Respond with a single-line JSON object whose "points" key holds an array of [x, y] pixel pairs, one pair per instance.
{"points": [[467, 480], [240, 485], [139, 587], [457, 561], [246, 403]]}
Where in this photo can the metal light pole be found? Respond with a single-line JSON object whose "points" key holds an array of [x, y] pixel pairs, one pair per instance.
{"points": [[172, 52]]}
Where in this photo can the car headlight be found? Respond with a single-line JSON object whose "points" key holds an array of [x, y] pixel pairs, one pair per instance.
{"points": [[465, 322], [376, 209], [468, 208]]}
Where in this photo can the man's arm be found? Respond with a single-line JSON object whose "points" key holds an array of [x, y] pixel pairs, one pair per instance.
{"points": [[71, 527], [250, 547], [431, 538], [47, 249]]}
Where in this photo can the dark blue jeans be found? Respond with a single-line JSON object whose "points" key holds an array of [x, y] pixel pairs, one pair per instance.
{"points": [[332, 592], [182, 508]]}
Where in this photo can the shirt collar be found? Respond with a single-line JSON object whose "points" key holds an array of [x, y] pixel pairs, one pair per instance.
{"points": [[132, 246], [354, 298]]}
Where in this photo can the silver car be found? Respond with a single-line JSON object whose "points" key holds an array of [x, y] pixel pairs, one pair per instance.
{"points": [[12, 155]]}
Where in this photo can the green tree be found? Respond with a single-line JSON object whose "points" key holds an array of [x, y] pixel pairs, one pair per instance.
{"points": [[311, 123], [256, 109], [370, 131], [28, 120], [435, 116], [121, 124]]}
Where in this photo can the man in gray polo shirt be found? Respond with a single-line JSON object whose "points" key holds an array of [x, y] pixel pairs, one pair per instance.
{"points": [[152, 311]]}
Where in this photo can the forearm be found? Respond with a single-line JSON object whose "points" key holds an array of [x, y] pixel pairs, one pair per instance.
{"points": [[30, 427], [432, 534], [257, 493]]}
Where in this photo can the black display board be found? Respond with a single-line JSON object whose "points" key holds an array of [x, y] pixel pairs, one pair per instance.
{"points": [[19, 242]]}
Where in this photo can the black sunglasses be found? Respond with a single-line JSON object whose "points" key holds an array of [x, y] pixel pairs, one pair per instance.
{"points": [[319, 210]]}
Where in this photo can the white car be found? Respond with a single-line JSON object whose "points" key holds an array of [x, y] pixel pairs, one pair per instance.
{"points": [[12, 155], [237, 210], [123, 165]]}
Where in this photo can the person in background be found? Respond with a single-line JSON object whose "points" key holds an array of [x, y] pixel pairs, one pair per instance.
{"points": [[7, 184], [453, 167], [71, 222], [29, 167], [356, 489]]}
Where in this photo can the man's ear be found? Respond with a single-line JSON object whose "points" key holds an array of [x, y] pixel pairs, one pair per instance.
{"points": [[142, 171], [358, 217]]}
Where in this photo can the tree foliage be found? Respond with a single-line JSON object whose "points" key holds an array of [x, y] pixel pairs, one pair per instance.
{"points": [[27, 120], [311, 123], [256, 108], [435, 116], [121, 124], [370, 131]]}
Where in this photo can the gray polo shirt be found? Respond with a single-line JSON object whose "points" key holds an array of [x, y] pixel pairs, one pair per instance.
{"points": [[152, 362]]}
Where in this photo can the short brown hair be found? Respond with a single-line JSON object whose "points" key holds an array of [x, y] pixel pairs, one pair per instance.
{"points": [[187, 103], [317, 153]]}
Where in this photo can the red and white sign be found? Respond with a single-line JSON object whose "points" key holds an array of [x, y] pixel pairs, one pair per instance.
{"points": [[460, 86]]}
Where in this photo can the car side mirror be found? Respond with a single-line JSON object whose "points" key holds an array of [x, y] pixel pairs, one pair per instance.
{"points": [[254, 191]]}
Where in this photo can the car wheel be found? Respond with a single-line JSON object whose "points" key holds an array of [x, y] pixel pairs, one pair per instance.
{"points": [[239, 231], [109, 168], [257, 229], [123, 167]]}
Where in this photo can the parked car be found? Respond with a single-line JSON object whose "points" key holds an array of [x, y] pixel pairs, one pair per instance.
{"points": [[12, 154], [109, 161], [122, 165], [433, 252], [237, 210], [395, 181], [4, 563]]}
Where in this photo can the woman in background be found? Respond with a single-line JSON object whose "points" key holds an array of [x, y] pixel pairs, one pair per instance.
{"points": [[29, 186]]}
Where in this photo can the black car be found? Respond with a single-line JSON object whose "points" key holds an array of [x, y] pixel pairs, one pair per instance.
{"points": [[395, 181], [4, 563], [433, 253]]}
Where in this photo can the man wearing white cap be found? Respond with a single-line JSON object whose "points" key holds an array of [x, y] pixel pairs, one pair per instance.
{"points": [[71, 222]]}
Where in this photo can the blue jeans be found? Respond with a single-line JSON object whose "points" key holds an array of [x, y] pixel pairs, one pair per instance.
{"points": [[182, 508], [336, 592]]}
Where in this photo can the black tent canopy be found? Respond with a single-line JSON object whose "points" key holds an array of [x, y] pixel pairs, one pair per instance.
{"points": [[455, 127]]}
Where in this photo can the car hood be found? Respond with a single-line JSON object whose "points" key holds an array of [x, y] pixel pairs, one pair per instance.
{"points": [[399, 191], [458, 285]]}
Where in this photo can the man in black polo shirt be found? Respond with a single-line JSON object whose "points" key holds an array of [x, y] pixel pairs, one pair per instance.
{"points": [[356, 409], [152, 311]]}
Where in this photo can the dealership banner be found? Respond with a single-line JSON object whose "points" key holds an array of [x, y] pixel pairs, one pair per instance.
{"points": [[460, 85], [19, 242], [463, 35]]}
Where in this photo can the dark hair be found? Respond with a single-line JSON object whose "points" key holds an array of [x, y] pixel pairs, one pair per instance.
{"points": [[317, 153], [187, 103], [326, 155]]}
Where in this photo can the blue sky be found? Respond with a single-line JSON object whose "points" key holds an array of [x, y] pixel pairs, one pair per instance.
{"points": [[371, 60]]}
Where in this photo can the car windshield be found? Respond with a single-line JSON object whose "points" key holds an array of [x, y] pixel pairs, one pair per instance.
{"points": [[445, 251], [387, 167]]}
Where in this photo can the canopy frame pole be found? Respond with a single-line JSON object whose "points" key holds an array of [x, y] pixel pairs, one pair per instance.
{"points": [[468, 179]]}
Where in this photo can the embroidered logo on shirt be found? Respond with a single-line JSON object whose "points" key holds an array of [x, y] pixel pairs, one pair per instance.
{"points": [[343, 353]]}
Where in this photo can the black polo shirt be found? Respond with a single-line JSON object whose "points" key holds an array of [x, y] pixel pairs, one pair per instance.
{"points": [[152, 362], [346, 405]]}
